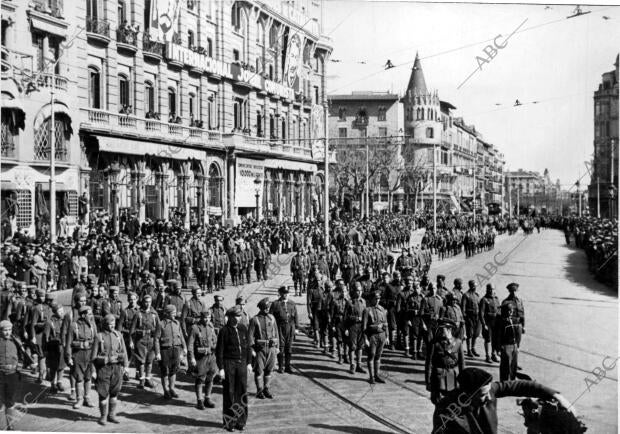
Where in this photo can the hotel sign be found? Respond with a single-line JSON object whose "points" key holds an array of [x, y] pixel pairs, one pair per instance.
{"points": [[232, 71]]}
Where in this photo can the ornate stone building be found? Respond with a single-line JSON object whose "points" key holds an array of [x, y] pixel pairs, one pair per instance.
{"points": [[200, 118]]}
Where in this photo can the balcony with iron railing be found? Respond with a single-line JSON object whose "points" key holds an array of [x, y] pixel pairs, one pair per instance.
{"points": [[360, 122], [53, 8], [98, 29], [127, 38], [285, 148], [152, 49]]}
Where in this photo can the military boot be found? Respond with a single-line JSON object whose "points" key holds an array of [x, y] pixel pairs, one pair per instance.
{"points": [[112, 413], [103, 410], [79, 399]]}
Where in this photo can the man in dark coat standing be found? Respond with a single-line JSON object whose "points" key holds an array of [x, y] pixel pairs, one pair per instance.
{"points": [[233, 357]]}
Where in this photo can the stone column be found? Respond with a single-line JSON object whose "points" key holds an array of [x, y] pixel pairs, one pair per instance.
{"points": [[85, 188], [230, 188], [267, 194], [201, 197], [184, 179], [310, 189], [290, 198], [279, 200], [141, 195], [301, 212]]}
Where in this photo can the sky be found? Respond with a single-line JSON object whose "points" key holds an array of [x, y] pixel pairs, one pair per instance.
{"points": [[555, 61]]}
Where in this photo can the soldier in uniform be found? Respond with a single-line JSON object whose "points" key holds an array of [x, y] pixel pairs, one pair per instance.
{"points": [[241, 302], [431, 311], [159, 297], [415, 326], [389, 300], [511, 326], [263, 339], [40, 313], [185, 265], [124, 323], [235, 261], [299, 269], [80, 340], [444, 361], [348, 264], [233, 358], [249, 262], [353, 317], [202, 271], [313, 301], [114, 306], [53, 345], [403, 328], [452, 311], [458, 290], [470, 304], [175, 298], [109, 357], [285, 313], [201, 355], [169, 349], [224, 267], [489, 308], [218, 314], [374, 325], [337, 322], [96, 303], [143, 327], [192, 310], [333, 262], [10, 349]]}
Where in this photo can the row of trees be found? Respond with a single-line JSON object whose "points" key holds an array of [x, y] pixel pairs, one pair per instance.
{"points": [[388, 171]]}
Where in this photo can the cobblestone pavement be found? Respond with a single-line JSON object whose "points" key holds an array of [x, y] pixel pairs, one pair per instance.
{"points": [[571, 326]]}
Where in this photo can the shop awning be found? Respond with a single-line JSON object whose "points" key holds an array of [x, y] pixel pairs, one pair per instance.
{"points": [[290, 165], [16, 113], [8, 186], [136, 147]]}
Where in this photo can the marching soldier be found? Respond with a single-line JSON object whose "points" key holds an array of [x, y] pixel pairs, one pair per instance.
{"points": [[114, 306], [96, 303], [444, 361], [249, 262], [511, 326], [218, 314], [322, 313], [458, 290], [192, 311], [185, 265], [125, 321], [175, 298], [333, 263], [374, 325], [489, 308], [285, 313], [414, 305], [143, 327], [201, 355], [452, 311], [337, 322], [169, 349], [10, 349], [159, 298], [431, 310], [80, 340], [224, 267], [353, 317], [53, 345], [299, 268], [263, 339], [403, 314], [313, 301], [233, 357], [389, 300], [348, 264], [470, 306], [202, 271], [40, 313], [110, 359], [235, 261]]}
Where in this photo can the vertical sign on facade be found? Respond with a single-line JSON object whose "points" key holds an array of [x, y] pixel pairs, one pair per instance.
{"points": [[317, 121], [245, 188]]}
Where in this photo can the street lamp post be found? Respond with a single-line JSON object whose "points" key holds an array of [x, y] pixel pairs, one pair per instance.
{"points": [[257, 185], [113, 173], [434, 189], [297, 200]]}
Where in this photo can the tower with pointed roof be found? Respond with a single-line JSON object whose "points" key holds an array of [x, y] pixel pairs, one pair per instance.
{"points": [[422, 113]]}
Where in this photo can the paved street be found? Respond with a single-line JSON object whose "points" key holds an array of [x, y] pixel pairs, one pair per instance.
{"points": [[571, 324]]}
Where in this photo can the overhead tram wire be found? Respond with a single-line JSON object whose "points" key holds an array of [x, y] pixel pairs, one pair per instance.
{"points": [[441, 53]]}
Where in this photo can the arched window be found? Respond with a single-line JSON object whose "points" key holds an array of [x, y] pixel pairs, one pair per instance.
{"points": [[272, 126], [192, 105], [421, 114], [190, 39], [383, 181], [124, 98], [259, 123], [215, 186], [273, 36], [94, 88], [62, 133], [261, 33], [283, 132], [149, 97], [381, 115], [122, 13], [235, 17]]}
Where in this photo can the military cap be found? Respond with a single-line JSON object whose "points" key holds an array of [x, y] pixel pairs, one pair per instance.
{"points": [[91, 277], [159, 281], [458, 280], [109, 317], [170, 308], [5, 324], [145, 273], [49, 296], [170, 281], [235, 311], [39, 292], [512, 286], [205, 313], [195, 289], [263, 303], [283, 290], [84, 309], [471, 282], [218, 297], [441, 276], [446, 322]]}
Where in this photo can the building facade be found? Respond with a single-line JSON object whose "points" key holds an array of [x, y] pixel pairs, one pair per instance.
{"points": [[530, 191], [603, 189], [209, 117]]}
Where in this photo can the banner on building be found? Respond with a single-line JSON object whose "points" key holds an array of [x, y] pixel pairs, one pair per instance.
{"points": [[245, 188], [317, 119], [165, 19], [294, 58]]}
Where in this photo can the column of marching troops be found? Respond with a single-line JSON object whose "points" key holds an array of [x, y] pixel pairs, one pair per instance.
{"points": [[357, 314]]}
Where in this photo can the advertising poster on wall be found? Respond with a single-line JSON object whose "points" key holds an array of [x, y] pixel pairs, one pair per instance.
{"points": [[164, 18], [245, 189]]}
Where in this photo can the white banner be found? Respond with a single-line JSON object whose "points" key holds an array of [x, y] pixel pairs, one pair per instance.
{"points": [[245, 188], [165, 18], [294, 58], [317, 122]]}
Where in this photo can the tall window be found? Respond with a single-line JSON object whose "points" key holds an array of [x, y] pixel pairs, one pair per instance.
{"points": [[316, 95], [147, 14], [209, 47], [261, 33], [382, 131], [429, 133], [235, 54], [122, 16], [92, 8], [235, 17], [271, 72], [259, 123], [94, 88], [273, 36], [283, 135], [190, 39], [212, 114], [238, 114], [192, 105], [172, 101], [149, 97], [272, 126], [342, 114], [37, 44], [123, 91], [381, 114], [342, 133]]}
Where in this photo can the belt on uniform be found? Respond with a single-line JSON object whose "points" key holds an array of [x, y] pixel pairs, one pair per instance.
{"points": [[171, 346], [8, 367], [81, 345], [203, 351]]}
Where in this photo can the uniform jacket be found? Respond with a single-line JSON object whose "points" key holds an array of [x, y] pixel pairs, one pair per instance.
{"points": [[284, 312], [263, 330], [233, 344]]}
